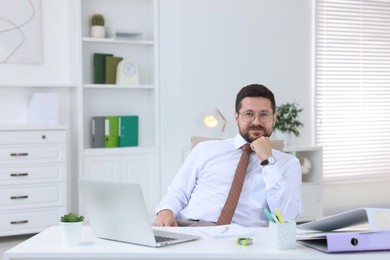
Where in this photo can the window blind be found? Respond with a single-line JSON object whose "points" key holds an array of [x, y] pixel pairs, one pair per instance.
{"points": [[352, 88]]}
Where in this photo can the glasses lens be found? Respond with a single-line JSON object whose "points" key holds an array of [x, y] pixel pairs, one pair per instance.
{"points": [[264, 117]]}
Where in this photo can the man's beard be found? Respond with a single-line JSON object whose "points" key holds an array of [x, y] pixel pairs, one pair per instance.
{"points": [[249, 138]]}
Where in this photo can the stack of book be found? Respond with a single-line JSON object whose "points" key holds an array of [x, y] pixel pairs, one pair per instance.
{"points": [[105, 68], [114, 131]]}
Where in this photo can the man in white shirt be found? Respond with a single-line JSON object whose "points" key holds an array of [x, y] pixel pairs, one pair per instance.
{"points": [[273, 178]]}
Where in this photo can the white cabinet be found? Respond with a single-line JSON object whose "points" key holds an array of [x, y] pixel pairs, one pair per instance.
{"points": [[312, 188], [134, 164], [33, 179], [137, 165]]}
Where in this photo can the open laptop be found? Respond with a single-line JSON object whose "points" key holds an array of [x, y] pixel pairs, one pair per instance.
{"points": [[117, 211]]}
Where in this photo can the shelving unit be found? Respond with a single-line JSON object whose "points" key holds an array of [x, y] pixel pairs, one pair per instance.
{"points": [[136, 164], [311, 182]]}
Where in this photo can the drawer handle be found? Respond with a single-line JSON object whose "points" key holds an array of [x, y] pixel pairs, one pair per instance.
{"points": [[19, 154], [19, 197], [19, 174], [17, 222]]}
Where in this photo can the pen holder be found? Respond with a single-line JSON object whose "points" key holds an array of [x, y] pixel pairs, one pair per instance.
{"points": [[283, 236]]}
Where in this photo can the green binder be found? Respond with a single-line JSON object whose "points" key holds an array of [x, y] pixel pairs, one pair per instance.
{"points": [[99, 67], [111, 65], [128, 131], [111, 137]]}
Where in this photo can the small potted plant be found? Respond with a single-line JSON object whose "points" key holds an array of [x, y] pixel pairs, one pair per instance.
{"points": [[287, 120], [97, 26], [70, 225]]}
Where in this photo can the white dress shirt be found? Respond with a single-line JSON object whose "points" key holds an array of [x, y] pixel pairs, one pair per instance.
{"points": [[200, 188]]}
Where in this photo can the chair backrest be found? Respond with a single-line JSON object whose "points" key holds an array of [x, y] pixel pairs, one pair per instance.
{"points": [[276, 144]]}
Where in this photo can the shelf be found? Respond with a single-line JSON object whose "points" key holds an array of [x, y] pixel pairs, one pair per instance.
{"points": [[37, 85], [117, 41], [32, 127], [116, 86], [119, 150]]}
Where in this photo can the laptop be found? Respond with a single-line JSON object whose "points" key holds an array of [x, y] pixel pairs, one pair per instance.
{"points": [[117, 211]]}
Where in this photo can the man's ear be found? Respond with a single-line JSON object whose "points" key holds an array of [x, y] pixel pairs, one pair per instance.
{"points": [[236, 115]]}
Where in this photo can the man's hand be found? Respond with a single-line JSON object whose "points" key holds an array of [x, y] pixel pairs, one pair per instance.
{"points": [[262, 147], [165, 218]]}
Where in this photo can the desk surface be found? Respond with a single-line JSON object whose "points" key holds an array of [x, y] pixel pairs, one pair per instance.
{"points": [[48, 245]]}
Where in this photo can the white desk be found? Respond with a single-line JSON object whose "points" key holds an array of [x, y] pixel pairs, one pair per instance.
{"points": [[48, 245]]}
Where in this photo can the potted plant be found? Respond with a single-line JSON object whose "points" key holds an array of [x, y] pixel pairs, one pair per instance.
{"points": [[287, 120], [70, 225], [97, 26]]}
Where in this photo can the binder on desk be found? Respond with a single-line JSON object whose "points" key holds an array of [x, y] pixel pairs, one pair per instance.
{"points": [[128, 131], [376, 218], [97, 132], [336, 233], [348, 241], [111, 137], [99, 67]]}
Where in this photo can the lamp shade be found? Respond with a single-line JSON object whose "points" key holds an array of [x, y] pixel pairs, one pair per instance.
{"points": [[210, 121]]}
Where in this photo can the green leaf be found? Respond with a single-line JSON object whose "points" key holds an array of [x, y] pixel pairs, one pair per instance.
{"points": [[72, 217], [287, 120]]}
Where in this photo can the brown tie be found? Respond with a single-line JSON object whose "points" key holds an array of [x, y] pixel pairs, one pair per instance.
{"points": [[235, 190]]}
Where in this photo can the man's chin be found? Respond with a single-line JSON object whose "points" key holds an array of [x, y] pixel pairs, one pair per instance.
{"points": [[256, 134]]}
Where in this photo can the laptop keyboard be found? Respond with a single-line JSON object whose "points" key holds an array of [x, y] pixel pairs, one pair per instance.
{"points": [[164, 239]]}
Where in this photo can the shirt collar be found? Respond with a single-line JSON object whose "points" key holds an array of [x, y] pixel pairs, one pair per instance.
{"points": [[239, 141]]}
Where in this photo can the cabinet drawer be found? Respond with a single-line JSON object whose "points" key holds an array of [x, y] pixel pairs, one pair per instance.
{"points": [[32, 221], [25, 196], [33, 137], [43, 153], [32, 174]]}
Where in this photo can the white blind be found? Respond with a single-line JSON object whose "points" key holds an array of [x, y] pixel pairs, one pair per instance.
{"points": [[352, 88]]}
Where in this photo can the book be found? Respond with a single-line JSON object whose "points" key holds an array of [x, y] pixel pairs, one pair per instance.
{"points": [[97, 132], [99, 67], [128, 131], [111, 68], [111, 137]]}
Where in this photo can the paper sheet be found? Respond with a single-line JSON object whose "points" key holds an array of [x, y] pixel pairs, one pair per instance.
{"points": [[232, 230]]}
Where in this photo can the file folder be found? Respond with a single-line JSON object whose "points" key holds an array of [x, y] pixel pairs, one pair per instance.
{"points": [[128, 131], [97, 132], [99, 67], [376, 218], [111, 68], [111, 138], [348, 241]]}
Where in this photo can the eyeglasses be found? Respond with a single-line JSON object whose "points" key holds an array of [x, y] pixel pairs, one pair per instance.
{"points": [[264, 116]]}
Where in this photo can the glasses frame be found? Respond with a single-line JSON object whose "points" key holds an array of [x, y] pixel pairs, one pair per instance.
{"points": [[257, 115]]}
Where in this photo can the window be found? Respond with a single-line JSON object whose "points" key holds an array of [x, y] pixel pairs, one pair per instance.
{"points": [[352, 88]]}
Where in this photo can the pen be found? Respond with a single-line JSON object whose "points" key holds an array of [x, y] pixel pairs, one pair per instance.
{"points": [[275, 218], [268, 214], [279, 215], [225, 230]]}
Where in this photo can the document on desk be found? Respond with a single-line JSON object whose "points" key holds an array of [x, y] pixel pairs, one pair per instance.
{"points": [[232, 230]]}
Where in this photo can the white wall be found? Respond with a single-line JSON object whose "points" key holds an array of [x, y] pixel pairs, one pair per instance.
{"points": [[56, 44], [211, 49]]}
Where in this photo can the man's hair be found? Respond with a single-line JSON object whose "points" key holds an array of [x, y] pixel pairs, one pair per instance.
{"points": [[255, 90]]}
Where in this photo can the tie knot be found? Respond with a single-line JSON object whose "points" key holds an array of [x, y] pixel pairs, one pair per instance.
{"points": [[246, 148]]}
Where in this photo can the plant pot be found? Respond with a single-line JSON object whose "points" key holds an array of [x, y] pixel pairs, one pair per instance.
{"points": [[71, 233], [98, 31]]}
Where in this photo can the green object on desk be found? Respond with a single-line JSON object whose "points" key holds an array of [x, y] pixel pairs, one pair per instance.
{"points": [[244, 241]]}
